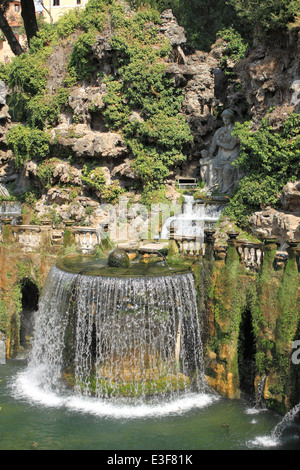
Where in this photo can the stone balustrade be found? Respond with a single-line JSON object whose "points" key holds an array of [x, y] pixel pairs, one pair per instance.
{"points": [[251, 254], [31, 238]]}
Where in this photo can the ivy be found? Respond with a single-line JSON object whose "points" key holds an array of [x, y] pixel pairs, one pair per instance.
{"points": [[235, 50], [141, 101], [28, 143], [270, 158], [95, 179]]}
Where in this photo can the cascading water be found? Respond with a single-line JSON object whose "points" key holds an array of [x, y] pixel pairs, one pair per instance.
{"points": [[260, 391], [287, 419], [195, 217], [10, 209], [119, 339]]}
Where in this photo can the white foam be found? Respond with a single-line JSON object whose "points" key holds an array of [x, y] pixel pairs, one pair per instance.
{"points": [[102, 408], [263, 441], [27, 385], [254, 411]]}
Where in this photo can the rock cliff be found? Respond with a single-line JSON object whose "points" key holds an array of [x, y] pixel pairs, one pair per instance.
{"points": [[267, 78]]}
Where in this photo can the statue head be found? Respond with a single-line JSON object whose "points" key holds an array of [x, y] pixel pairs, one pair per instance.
{"points": [[228, 114]]}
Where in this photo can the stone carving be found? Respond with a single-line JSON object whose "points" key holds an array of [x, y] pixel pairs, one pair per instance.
{"points": [[216, 167]]}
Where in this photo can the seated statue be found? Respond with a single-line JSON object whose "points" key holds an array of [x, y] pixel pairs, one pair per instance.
{"points": [[216, 167]]}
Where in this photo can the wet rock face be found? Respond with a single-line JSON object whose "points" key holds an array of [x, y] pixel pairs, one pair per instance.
{"points": [[118, 258]]}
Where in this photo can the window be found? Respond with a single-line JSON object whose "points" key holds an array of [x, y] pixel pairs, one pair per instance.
{"points": [[56, 3], [78, 2], [17, 8]]}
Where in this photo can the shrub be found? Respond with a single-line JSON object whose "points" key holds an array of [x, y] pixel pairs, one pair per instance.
{"points": [[271, 159], [81, 60], [28, 144], [157, 138], [27, 73]]}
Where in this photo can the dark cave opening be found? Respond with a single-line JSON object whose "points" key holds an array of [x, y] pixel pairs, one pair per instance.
{"points": [[246, 354], [30, 300]]}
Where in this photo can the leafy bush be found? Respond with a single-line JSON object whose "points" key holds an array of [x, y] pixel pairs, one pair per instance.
{"points": [[235, 50], [95, 179], [267, 14], [28, 144], [81, 60], [271, 159], [157, 135], [27, 73]]}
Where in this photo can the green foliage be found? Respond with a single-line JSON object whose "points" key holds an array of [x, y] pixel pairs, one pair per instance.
{"points": [[28, 144], [42, 110], [270, 159], [68, 23], [157, 133], [95, 179], [27, 73], [45, 36], [267, 14], [45, 171], [81, 60], [235, 50]]}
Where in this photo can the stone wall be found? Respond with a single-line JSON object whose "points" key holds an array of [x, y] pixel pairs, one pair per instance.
{"points": [[267, 298]]}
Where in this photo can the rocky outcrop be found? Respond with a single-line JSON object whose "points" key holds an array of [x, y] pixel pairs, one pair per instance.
{"points": [[283, 223], [269, 77]]}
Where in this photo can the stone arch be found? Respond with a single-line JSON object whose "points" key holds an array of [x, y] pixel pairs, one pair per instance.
{"points": [[30, 299]]}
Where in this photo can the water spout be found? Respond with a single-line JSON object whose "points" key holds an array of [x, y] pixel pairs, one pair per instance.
{"points": [[286, 420]]}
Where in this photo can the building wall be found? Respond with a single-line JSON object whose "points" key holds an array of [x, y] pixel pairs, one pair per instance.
{"points": [[54, 9], [14, 18]]}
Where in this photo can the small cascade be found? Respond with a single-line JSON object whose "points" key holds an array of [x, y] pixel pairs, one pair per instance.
{"points": [[10, 209], [260, 392], [286, 420], [193, 220], [119, 338]]}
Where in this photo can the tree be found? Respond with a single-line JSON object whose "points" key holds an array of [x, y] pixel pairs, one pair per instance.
{"points": [[7, 30], [29, 19], [267, 15]]}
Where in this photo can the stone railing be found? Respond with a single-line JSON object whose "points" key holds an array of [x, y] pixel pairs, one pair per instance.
{"points": [[188, 245], [251, 254], [31, 238]]}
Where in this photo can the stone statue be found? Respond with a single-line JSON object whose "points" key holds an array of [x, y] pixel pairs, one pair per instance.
{"points": [[216, 167]]}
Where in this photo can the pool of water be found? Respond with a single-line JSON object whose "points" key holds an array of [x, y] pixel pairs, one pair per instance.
{"points": [[33, 420], [92, 266]]}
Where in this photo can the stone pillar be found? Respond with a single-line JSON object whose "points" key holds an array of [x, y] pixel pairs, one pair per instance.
{"points": [[7, 234], [209, 240], [270, 249], [232, 252], [293, 252]]}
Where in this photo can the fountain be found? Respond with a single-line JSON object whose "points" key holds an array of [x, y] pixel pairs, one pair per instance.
{"points": [[118, 332], [286, 420], [10, 210], [193, 220]]}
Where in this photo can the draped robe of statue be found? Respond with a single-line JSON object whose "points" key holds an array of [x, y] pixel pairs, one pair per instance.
{"points": [[217, 169]]}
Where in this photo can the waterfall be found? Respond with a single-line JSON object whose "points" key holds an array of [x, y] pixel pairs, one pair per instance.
{"points": [[260, 391], [119, 337], [195, 217], [10, 208], [287, 419]]}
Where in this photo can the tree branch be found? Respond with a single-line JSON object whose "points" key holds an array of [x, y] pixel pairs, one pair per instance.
{"points": [[10, 36]]}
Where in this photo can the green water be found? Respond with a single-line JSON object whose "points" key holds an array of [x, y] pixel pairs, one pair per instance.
{"points": [[90, 265], [217, 425]]}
